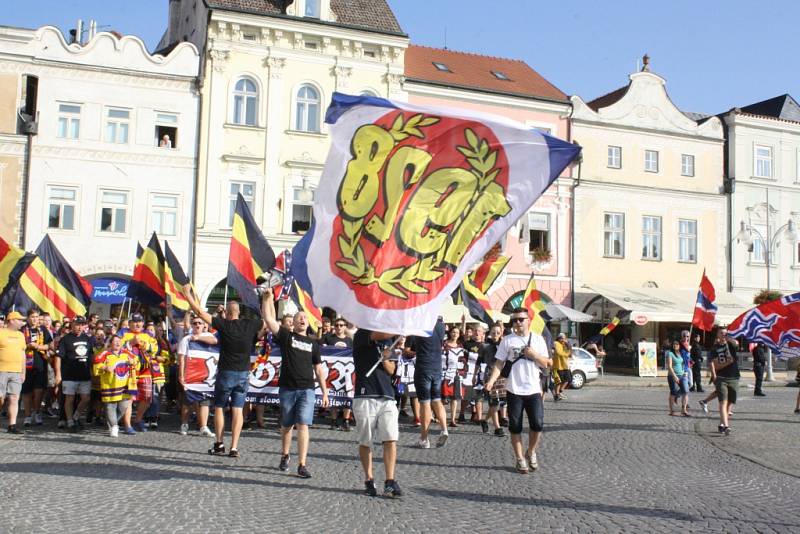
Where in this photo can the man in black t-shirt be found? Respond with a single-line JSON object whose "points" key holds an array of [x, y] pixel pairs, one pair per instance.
{"points": [[237, 340], [760, 355], [73, 365], [486, 361], [300, 361], [725, 367], [428, 382], [37, 341], [375, 406], [339, 338]]}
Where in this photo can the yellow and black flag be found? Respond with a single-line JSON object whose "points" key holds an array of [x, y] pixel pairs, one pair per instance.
{"points": [[621, 316], [174, 279], [13, 262], [250, 255], [147, 284]]}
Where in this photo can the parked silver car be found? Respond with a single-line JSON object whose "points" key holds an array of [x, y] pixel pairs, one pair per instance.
{"points": [[583, 367]]}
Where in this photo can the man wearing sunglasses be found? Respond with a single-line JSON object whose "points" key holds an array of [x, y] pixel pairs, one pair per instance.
{"points": [[201, 402], [338, 338], [527, 354]]}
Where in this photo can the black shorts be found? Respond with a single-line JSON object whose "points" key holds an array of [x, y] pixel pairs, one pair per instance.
{"points": [[532, 405], [34, 379], [565, 376]]}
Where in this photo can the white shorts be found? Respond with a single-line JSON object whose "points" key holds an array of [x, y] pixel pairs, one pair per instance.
{"points": [[376, 420], [83, 387]]}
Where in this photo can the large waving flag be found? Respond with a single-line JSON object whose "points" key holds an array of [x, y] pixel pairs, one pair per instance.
{"points": [[52, 285], [147, 284], [705, 311], [250, 255], [13, 262], [174, 279], [775, 323], [410, 198], [487, 272]]}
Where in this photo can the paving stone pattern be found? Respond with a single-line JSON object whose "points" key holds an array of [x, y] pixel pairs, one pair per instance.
{"points": [[611, 461]]}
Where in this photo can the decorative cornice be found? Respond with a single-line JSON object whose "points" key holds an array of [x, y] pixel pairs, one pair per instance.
{"points": [[85, 73], [131, 158]]}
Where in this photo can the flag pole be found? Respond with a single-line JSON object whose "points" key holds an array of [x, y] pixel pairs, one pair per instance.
{"points": [[225, 297]]}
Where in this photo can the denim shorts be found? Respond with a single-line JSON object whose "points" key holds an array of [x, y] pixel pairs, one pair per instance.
{"points": [[428, 385], [531, 405], [230, 385], [680, 388], [297, 406]]}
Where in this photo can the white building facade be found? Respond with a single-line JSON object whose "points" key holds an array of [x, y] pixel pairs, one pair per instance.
{"points": [[763, 170], [114, 158], [268, 74]]}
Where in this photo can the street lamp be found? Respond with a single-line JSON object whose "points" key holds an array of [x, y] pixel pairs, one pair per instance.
{"points": [[746, 235]]}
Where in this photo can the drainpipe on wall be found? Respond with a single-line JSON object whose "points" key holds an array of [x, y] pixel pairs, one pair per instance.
{"points": [[193, 231], [26, 180]]}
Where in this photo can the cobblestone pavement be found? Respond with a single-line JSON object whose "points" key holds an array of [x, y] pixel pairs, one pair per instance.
{"points": [[610, 461]]}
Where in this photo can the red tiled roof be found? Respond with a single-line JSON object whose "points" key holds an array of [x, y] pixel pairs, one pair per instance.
{"points": [[473, 71]]}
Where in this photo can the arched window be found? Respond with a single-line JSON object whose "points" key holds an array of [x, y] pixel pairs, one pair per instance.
{"points": [[307, 113], [245, 102]]}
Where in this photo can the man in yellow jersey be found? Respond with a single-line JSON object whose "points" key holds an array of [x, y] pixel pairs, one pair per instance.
{"points": [[561, 365], [12, 366], [144, 346]]}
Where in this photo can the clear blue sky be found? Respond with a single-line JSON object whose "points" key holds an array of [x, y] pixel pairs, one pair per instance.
{"points": [[715, 54]]}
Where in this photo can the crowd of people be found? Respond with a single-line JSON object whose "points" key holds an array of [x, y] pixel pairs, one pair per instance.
{"points": [[117, 373]]}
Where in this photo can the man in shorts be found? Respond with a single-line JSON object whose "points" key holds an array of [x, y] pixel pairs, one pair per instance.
{"points": [[374, 406], [725, 367], [428, 381], [497, 394], [12, 366], [198, 334], [73, 371], [561, 365], [38, 340], [300, 361], [144, 346], [529, 358]]}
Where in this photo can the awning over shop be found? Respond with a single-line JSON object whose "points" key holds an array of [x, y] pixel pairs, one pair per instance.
{"points": [[665, 305], [559, 312]]}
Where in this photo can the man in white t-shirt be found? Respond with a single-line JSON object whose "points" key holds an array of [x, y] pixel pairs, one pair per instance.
{"points": [[529, 356]]}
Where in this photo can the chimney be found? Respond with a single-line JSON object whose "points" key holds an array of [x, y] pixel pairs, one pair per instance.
{"points": [[75, 34], [645, 63], [92, 29]]}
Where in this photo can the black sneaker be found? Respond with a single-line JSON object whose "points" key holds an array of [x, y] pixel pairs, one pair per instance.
{"points": [[12, 429], [234, 453], [727, 431], [217, 450], [346, 425], [499, 432], [484, 427], [370, 489], [721, 429], [302, 472], [392, 489], [284, 465]]}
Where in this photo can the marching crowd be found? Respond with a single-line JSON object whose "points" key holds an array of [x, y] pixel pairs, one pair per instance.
{"points": [[117, 373]]}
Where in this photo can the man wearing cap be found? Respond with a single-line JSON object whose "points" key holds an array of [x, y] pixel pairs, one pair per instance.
{"points": [[561, 365], [73, 370], [143, 346], [12, 366]]}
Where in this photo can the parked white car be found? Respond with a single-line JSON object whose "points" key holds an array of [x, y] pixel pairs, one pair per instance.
{"points": [[583, 367]]}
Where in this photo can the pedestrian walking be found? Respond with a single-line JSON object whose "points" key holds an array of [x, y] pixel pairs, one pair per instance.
{"points": [[237, 339], [12, 367], [497, 394], [144, 346], [300, 361], [374, 406], [116, 369], [562, 352], [74, 371], [38, 342], [677, 379], [726, 370], [523, 357], [760, 354], [197, 334], [428, 382], [339, 338], [696, 353]]}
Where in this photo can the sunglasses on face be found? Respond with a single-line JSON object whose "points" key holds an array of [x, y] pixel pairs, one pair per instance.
{"points": [[518, 319], [341, 324], [197, 324]]}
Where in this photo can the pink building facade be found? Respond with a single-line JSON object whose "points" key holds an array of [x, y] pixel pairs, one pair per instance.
{"points": [[540, 243]]}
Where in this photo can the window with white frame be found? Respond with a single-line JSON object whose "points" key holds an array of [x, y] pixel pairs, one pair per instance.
{"points": [[614, 235], [117, 125], [763, 161], [248, 192], [539, 231], [651, 160], [164, 214], [302, 213], [687, 165], [687, 240], [614, 157], [245, 102], [113, 211], [307, 111], [69, 121], [651, 238], [312, 9], [166, 130], [62, 204], [758, 252]]}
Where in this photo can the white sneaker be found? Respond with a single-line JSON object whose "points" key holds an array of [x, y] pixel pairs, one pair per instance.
{"points": [[521, 466], [533, 461], [26, 421], [442, 439], [184, 429], [704, 405], [206, 432], [424, 444], [114, 432], [38, 418], [61, 424]]}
